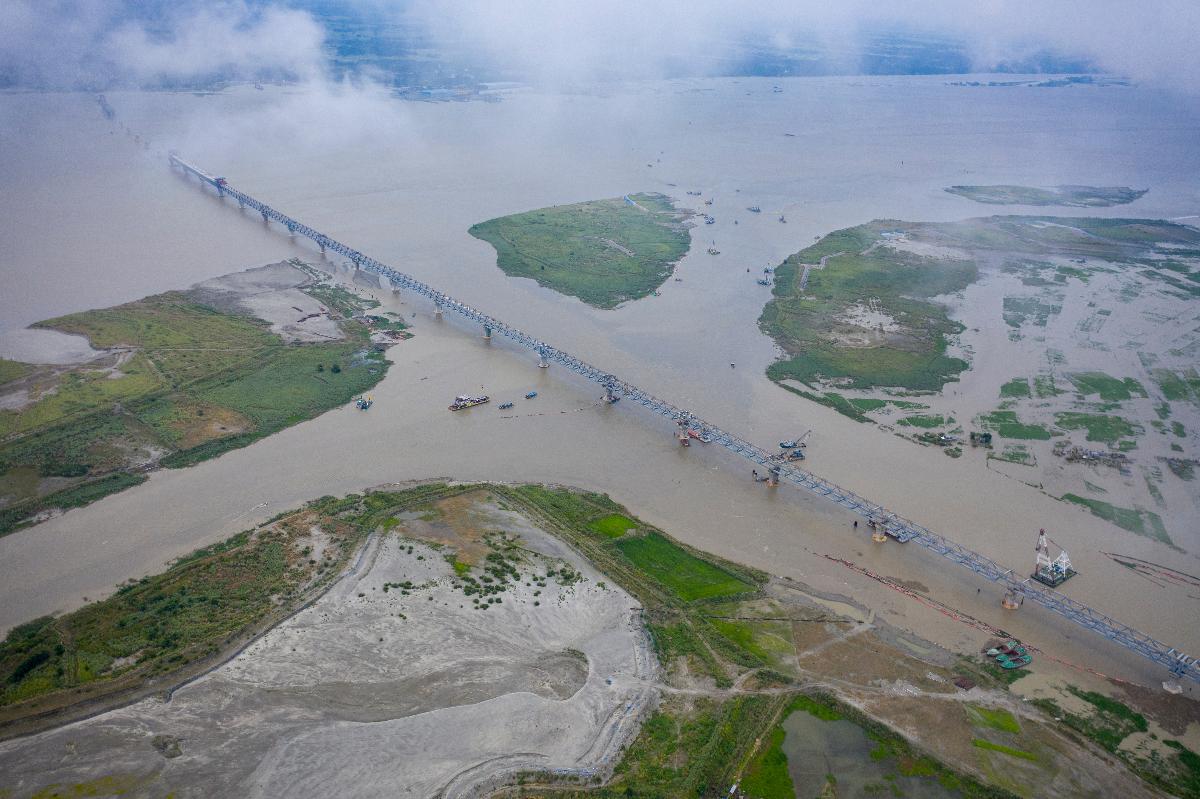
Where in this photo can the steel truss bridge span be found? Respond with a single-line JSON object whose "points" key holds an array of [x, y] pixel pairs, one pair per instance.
{"points": [[903, 530]]}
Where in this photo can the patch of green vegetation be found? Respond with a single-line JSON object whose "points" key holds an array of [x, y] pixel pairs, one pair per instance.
{"points": [[165, 621], [767, 776], [1019, 310], [1017, 387], [1109, 388], [1014, 453], [604, 252], [868, 403], [339, 299], [925, 420], [1008, 750], [807, 323], [828, 398], [197, 382], [768, 640], [12, 370], [1178, 429], [1079, 196], [1110, 723], [687, 576], [1006, 425], [1136, 520], [995, 718], [15, 517], [1172, 385], [613, 525], [1044, 387], [1100, 427]]}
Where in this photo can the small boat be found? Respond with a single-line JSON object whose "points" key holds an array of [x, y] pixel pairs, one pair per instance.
{"points": [[754, 209], [467, 401], [762, 281], [362, 403], [708, 201], [531, 395], [713, 251], [504, 406], [708, 220], [782, 218], [796, 455]]}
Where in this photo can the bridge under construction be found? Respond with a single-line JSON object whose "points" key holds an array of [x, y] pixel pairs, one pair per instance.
{"points": [[883, 521]]}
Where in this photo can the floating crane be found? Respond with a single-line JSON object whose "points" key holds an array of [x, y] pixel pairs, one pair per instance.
{"points": [[1047, 571]]}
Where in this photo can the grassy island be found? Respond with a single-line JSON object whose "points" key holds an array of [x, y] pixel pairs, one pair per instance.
{"points": [[604, 252], [854, 313], [1074, 196], [180, 378]]}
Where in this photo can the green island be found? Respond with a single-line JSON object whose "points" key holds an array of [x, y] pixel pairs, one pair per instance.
{"points": [[1075, 196], [604, 252], [181, 377], [749, 657], [851, 312]]}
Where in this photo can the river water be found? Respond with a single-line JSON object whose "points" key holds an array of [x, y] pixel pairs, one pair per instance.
{"points": [[94, 218]]}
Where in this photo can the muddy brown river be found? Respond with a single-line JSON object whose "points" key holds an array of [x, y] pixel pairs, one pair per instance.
{"points": [[405, 186]]}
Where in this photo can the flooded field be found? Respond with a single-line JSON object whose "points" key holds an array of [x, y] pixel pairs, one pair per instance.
{"points": [[408, 187]]}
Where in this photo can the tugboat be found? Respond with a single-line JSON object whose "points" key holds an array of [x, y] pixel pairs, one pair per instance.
{"points": [[467, 401], [531, 395], [754, 209]]}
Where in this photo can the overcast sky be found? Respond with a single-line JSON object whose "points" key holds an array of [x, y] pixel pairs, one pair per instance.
{"points": [[63, 43]]}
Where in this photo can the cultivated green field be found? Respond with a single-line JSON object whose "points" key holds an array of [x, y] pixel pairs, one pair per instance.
{"points": [[604, 252], [185, 383], [1077, 196]]}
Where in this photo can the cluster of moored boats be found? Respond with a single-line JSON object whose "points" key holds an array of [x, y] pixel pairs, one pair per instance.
{"points": [[1010, 655], [463, 401]]}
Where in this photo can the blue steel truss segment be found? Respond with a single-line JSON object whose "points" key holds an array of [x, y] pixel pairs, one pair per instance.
{"points": [[903, 529]]}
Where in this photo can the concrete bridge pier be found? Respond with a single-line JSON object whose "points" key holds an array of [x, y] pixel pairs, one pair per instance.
{"points": [[542, 362], [291, 229], [437, 310], [610, 396], [773, 477], [487, 333], [266, 219]]}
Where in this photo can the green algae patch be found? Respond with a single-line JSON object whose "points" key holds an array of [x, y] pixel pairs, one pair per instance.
{"points": [[604, 251], [1075, 196], [1135, 520]]}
